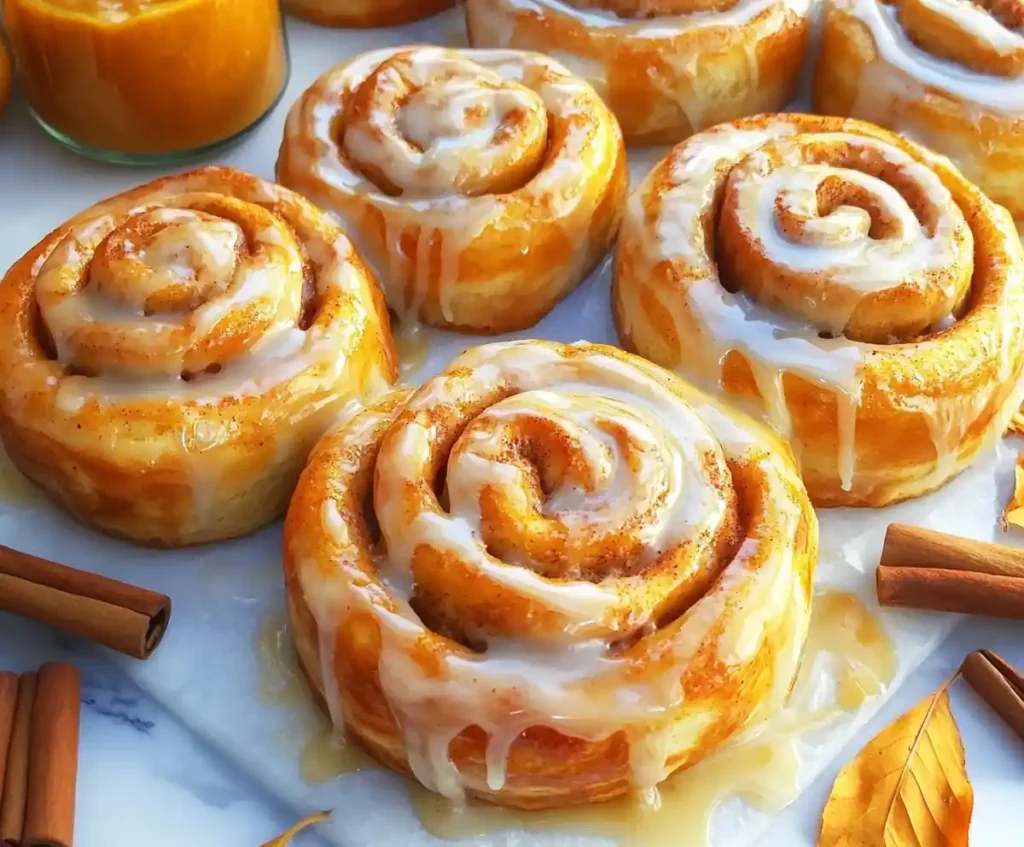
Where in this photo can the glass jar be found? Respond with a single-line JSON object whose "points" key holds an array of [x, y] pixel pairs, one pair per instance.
{"points": [[148, 81]]}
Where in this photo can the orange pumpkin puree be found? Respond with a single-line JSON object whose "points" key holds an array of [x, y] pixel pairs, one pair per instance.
{"points": [[148, 76]]}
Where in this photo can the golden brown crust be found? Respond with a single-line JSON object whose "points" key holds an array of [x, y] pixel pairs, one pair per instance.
{"points": [[703, 649], [363, 14], [872, 423], [666, 69], [485, 185], [174, 352], [938, 78]]}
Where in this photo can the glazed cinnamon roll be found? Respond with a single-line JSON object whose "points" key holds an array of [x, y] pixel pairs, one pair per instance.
{"points": [[552, 575], [365, 13], [172, 354], [484, 185], [846, 283], [667, 68], [946, 73]]}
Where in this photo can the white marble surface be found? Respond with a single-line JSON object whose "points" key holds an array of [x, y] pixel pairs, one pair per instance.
{"points": [[145, 780]]}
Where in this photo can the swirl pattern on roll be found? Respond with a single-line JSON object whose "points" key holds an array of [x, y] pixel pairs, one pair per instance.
{"points": [[360, 14], [550, 576], [667, 68], [174, 352], [946, 73], [847, 284], [484, 185]]}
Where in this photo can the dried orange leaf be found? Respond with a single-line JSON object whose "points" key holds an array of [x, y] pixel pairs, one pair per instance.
{"points": [[285, 837], [1016, 423], [907, 788], [1014, 511]]}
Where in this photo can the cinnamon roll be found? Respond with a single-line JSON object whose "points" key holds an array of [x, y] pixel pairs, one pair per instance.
{"points": [[552, 575], [946, 73], [172, 354], [484, 185], [846, 283], [667, 68], [365, 13]]}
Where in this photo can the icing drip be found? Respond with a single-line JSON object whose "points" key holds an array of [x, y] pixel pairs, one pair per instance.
{"points": [[848, 647], [764, 771], [587, 523]]}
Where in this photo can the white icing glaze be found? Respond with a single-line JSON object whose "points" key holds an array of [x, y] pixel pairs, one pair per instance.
{"points": [[919, 68], [663, 474], [496, 83], [192, 252], [840, 242], [185, 250], [441, 119], [665, 479], [572, 683], [839, 247], [196, 251]]}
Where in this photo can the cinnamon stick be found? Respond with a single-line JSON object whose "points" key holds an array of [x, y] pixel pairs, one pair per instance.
{"points": [[917, 547], [124, 617], [999, 684], [53, 757], [8, 702], [925, 569], [12, 803], [951, 591]]}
